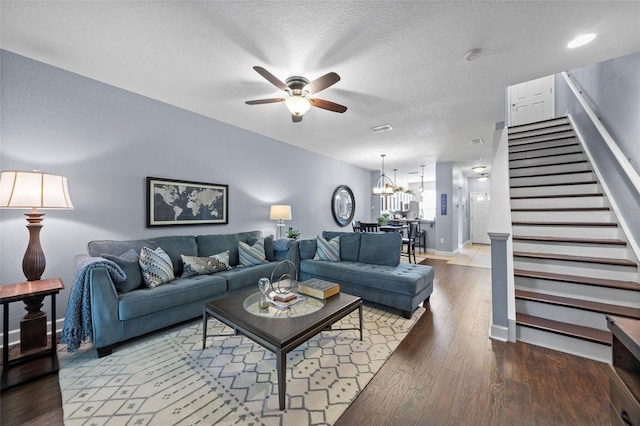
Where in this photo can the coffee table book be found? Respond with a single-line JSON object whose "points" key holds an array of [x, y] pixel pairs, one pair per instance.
{"points": [[318, 288], [286, 305]]}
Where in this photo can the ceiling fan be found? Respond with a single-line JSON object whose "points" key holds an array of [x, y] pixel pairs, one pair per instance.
{"points": [[298, 89]]}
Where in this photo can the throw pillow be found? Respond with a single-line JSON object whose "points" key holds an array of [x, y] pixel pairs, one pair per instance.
{"points": [[193, 265], [327, 250], [156, 267], [128, 262], [252, 255]]}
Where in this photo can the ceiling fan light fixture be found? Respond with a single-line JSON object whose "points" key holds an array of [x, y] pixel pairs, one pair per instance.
{"points": [[297, 104], [479, 169]]}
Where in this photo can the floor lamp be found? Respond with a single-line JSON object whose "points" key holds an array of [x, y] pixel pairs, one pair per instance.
{"points": [[280, 213], [33, 190]]}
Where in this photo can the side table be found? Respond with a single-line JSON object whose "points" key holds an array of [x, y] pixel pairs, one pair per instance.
{"points": [[29, 371]]}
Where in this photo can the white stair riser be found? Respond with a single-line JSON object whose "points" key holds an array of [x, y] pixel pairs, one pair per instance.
{"points": [[587, 292], [603, 232], [566, 344], [543, 148], [552, 168], [542, 124], [549, 180], [540, 129], [562, 313], [580, 269], [591, 250], [558, 202], [561, 216], [539, 161], [589, 188], [522, 140]]}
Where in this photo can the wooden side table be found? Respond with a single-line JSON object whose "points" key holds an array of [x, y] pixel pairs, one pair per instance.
{"points": [[28, 370]]}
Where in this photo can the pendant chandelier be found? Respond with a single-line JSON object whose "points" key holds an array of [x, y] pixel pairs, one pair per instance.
{"points": [[422, 180], [383, 185]]}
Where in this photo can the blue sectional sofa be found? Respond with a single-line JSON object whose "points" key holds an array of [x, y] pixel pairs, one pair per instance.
{"points": [[369, 267], [118, 316]]}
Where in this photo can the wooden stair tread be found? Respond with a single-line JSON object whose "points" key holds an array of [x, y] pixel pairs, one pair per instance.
{"points": [[531, 157], [533, 166], [537, 223], [601, 282], [567, 141], [571, 240], [571, 258], [560, 209], [585, 195], [584, 182], [585, 305], [572, 172], [571, 330]]}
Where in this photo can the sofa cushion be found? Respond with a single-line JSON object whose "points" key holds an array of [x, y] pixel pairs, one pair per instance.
{"points": [[380, 248], [242, 277], [156, 267], [129, 263], [327, 250], [252, 254], [349, 244], [116, 248], [175, 293], [193, 265], [213, 244], [175, 246], [307, 248]]}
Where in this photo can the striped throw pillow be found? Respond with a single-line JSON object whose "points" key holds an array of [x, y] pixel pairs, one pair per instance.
{"points": [[252, 255], [156, 267], [328, 250]]}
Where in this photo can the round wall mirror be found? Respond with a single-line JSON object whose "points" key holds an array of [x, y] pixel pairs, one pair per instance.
{"points": [[343, 205]]}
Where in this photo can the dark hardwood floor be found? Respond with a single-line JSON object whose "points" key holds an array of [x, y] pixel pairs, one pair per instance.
{"points": [[446, 372]]}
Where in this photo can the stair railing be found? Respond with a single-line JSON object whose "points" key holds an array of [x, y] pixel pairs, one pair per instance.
{"points": [[617, 153]]}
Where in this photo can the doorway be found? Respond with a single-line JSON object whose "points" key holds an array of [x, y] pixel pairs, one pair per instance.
{"points": [[479, 217], [532, 101]]}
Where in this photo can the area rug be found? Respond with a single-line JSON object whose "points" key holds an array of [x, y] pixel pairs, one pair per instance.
{"points": [[167, 379]]}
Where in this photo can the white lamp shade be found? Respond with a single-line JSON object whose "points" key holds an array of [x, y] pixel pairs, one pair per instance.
{"points": [[280, 212], [35, 189], [297, 105]]}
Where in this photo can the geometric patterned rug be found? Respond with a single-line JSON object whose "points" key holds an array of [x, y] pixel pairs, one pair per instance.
{"points": [[167, 379]]}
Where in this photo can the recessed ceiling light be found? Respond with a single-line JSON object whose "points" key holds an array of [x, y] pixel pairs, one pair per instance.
{"points": [[581, 40], [380, 129]]}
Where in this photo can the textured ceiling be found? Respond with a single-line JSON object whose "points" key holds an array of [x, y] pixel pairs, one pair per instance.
{"points": [[401, 63]]}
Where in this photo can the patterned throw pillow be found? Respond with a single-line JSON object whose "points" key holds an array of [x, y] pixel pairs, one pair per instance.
{"points": [[204, 265], [252, 255], [156, 267], [328, 250], [129, 263]]}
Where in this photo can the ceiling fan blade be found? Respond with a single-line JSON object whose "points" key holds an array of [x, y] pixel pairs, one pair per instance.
{"points": [[331, 106], [296, 118], [322, 83], [264, 101], [271, 78]]}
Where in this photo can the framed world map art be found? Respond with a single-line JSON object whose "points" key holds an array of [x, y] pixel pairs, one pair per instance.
{"points": [[176, 202]]}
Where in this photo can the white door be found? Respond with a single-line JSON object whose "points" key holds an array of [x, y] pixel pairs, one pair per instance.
{"points": [[532, 101], [479, 217]]}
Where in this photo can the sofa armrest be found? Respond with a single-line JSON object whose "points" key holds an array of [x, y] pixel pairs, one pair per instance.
{"points": [[104, 309]]}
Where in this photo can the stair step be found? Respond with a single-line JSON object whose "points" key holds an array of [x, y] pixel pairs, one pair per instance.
{"points": [[578, 150], [534, 223], [571, 258], [572, 172], [571, 240], [546, 144], [600, 282], [550, 122], [560, 209], [530, 197], [560, 163], [586, 305], [586, 182], [571, 330], [529, 140]]}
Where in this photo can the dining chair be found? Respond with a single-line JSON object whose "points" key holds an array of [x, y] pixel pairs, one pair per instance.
{"points": [[369, 227], [356, 226], [410, 242]]}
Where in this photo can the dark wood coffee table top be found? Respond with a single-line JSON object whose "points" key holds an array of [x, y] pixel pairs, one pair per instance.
{"points": [[280, 332]]}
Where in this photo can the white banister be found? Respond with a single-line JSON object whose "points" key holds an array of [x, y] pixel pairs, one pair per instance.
{"points": [[631, 173]]}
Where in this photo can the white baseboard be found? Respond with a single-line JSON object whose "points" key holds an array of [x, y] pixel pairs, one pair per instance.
{"points": [[14, 335], [499, 332]]}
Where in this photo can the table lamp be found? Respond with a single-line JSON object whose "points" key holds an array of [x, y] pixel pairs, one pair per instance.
{"points": [[280, 213], [33, 190]]}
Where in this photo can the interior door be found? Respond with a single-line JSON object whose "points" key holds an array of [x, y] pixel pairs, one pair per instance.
{"points": [[532, 101], [479, 217]]}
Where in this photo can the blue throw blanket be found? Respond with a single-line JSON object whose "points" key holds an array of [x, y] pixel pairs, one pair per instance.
{"points": [[77, 322]]}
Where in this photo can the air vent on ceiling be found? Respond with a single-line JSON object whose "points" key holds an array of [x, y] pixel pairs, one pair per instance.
{"points": [[477, 141], [380, 129]]}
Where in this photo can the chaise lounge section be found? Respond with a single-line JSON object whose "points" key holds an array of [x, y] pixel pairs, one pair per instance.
{"points": [[369, 267]]}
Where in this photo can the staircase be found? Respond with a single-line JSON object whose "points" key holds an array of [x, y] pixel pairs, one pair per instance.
{"points": [[572, 264]]}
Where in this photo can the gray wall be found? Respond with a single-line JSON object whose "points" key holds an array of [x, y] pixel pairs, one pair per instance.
{"points": [[612, 89], [107, 140]]}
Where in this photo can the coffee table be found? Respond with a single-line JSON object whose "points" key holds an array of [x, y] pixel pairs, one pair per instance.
{"points": [[279, 331]]}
